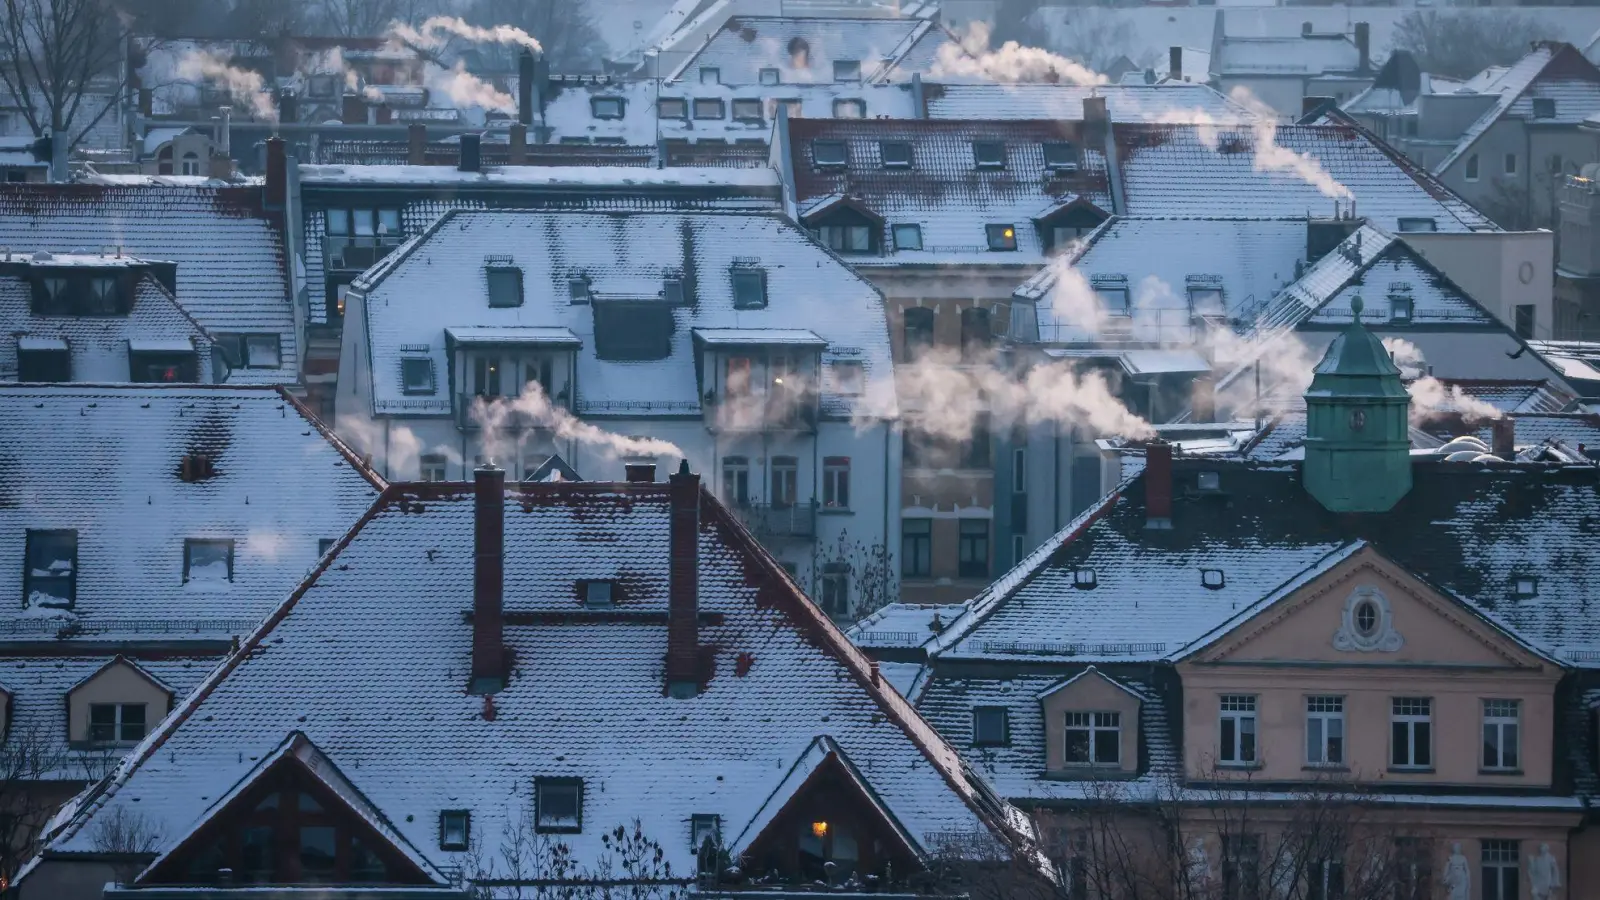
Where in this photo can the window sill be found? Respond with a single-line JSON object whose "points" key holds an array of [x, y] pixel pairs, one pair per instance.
{"points": [[1237, 766], [1512, 772], [1324, 767], [558, 829], [835, 511], [1412, 770]]}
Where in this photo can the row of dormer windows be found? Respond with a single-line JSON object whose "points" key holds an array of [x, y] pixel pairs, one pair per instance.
{"points": [[1059, 156]]}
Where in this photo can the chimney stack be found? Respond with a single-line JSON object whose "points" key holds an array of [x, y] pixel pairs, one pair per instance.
{"points": [[640, 473], [488, 581], [288, 106], [1364, 46], [471, 153], [525, 79], [683, 584], [225, 132], [518, 144], [354, 110], [277, 189], [1175, 63], [1158, 485], [416, 144], [1503, 438], [1096, 120]]}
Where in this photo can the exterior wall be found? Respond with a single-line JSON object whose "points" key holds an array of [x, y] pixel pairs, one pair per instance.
{"points": [[1584, 855], [1501, 270], [1526, 199], [117, 684], [71, 879], [1283, 93], [1090, 692]]}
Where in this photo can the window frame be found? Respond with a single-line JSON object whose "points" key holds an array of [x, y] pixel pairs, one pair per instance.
{"points": [[118, 724], [968, 544], [1417, 224], [1326, 711], [1003, 716], [1092, 727], [917, 561], [769, 76], [749, 275], [192, 544], [833, 594], [992, 161], [1071, 151], [605, 100], [540, 785], [1509, 164], [836, 482], [1543, 107], [428, 461], [834, 161], [414, 387], [1402, 309], [704, 822], [707, 103], [847, 71], [28, 577], [1493, 716], [748, 103], [783, 482], [736, 480], [44, 366], [503, 272], [592, 598], [849, 108], [900, 161], [1533, 320], [710, 75], [1406, 719], [1000, 237], [445, 817], [1500, 868], [1238, 709], [1470, 169], [912, 228], [679, 103]]}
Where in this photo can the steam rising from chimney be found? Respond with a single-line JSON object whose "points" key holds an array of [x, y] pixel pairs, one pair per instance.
{"points": [[436, 31], [247, 88], [502, 418], [970, 57]]}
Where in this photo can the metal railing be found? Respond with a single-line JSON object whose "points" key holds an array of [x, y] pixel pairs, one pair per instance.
{"points": [[793, 520]]}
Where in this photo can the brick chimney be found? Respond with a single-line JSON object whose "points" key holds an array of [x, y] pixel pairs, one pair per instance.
{"points": [[416, 144], [488, 581], [1175, 63], [1364, 46], [518, 144], [1158, 485], [1096, 120], [525, 86], [471, 158], [1503, 437], [683, 584], [277, 189]]}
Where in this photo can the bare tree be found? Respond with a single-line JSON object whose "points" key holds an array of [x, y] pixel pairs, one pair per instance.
{"points": [[128, 838], [37, 775], [1462, 43], [1098, 37], [61, 62], [370, 18], [853, 578]]}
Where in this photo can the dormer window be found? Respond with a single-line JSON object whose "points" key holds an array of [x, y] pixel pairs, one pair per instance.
{"points": [[116, 724], [747, 110], [989, 154], [672, 108], [597, 594], [829, 154], [1544, 107], [455, 829], [79, 294], [749, 288], [1001, 237], [606, 107], [416, 375], [1061, 156], [672, 291], [848, 108], [1084, 579], [1213, 579], [770, 76], [710, 75], [708, 108], [505, 286], [578, 289], [558, 805], [50, 569], [207, 561], [847, 70], [895, 154], [1401, 307]]}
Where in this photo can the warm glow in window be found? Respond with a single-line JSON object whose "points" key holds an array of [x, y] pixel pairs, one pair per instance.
{"points": [[820, 829]]}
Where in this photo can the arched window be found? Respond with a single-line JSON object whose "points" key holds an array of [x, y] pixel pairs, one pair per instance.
{"points": [[191, 163], [164, 160]]}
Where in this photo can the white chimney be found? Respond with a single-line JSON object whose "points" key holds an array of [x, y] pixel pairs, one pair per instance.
{"points": [[224, 142]]}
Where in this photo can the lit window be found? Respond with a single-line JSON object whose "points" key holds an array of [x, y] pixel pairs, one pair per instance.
{"points": [[51, 569], [710, 75], [829, 153], [989, 726], [1093, 738], [558, 805], [116, 723], [708, 108], [1214, 579], [207, 560], [433, 467], [606, 107], [1084, 579], [1001, 237], [1325, 731], [672, 108], [597, 594], [749, 288], [770, 76], [1411, 733], [416, 375], [455, 829], [1502, 746], [505, 286], [896, 154], [1060, 156], [849, 109], [747, 110], [1237, 721], [907, 237], [836, 482], [989, 154], [846, 70]]}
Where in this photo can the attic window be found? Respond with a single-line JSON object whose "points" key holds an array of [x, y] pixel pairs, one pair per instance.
{"points": [[1544, 107], [747, 110], [847, 70], [1001, 237], [1208, 481], [907, 237], [633, 331], [207, 560], [1401, 307], [606, 107], [416, 375], [1213, 579], [1084, 579], [597, 594], [1417, 224], [50, 573], [578, 289], [989, 154], [749, 288], [672, 108], [989, 726], [708, 108], [1061, 156], [672, 291], [558, 805], [704, 829], [710, 75], [250, 351], [1525, 585], [195, 467], [1112, 291], [770, 76], [896, 154], [505, 286], [829, 154], [1205, 300], [455, 829], [850, 109]]}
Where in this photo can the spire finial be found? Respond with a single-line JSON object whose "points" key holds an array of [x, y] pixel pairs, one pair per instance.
{"points": [[1356, 305]]}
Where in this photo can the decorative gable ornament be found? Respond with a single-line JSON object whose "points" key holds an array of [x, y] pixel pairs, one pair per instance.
{"points": [[1367, 625]]}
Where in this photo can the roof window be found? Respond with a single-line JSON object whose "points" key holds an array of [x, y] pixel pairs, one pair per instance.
{"points": [[1061, 156], [1401, 308], [1206, 300], [455, 829], [989, 154], [989, 726], [558, 805], [770, 76], [207, 560], [1084, 579], [1544, 107], [1417, 224], [907, 236], [710, 75], [1001, 237], [705, 828], [747, 110], [850, 108], [847, 70], [505, 285], [895, 154], [849, 376], [597, 594], [672, 290], [606, 107], [250, 351], [672, 108], [416, 375], [829, 154], [1525, 585], [1213, 579], [749, 288], [50, 573], [1112, 290], [632, 331], [578, 288], [194, 467], [708, 108]]}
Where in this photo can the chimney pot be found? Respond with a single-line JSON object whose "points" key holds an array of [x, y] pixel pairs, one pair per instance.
{"points": [[1158, 485], [471, 153], [277, 189], [640, 473], [1503, 437], [488, 581], [683, 584]]}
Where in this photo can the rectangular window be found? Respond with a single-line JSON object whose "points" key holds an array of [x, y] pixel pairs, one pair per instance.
{"points": [[606, 107], [895, 154], [261, 351], [919, 331], [1206, 301], [708, 108], [990, 726], [705, 829], [1241, 866], [907, 237], [736, 382], [505, 286], [1500, 879], [836, 482], [710, 75], [1523, 316], [846, 238], [747, 110], [1411, 733], [1400, 308], [849, 377], [749, 288], [1001, 237], [455, 829], [1093, 739], [338, 221], [416, 375], [597, 594], [916, 548], [116, 723], [486, 376], [989, 154], [1544, 107], [785, 481], [44, 365], [672, 108], [736, 480], [849, 109], [1511, 164], [1502, 744], [770, 76], [433, 467], [672, 291], [1113, 298], [977, 334], [1325, 880], [633, 331], [1471, 168], [846, 70], [207, 560], [836, 590], [1019, 470], [1060, 156], [51, 569], [975, 451], [1418, 224], [1237, 730], [1325, 731], [558, 805], [972, 553]]}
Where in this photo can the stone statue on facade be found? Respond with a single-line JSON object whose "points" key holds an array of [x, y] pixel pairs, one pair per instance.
{"points": [[1198, 868], [1457, 875], [1544, 876]]}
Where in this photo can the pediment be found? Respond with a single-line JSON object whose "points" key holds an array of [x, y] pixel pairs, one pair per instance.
{"points": [[118, 668], [1365, 610]]}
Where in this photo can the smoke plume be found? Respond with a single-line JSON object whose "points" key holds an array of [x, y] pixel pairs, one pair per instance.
{"points": [[503, 419], [465, 89], [971, 57], [1270, 156], [1432, 399], [247, 88], [437, 31]]}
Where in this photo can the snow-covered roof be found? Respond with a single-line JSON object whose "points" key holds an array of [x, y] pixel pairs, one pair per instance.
{"points": [[1189, 170], [378, 627], [229, 250], [904, 625], [1552, 71], [95, 458], [627, 255], [807, 50], [1168, 101], [513, 334], [589, 177], [746, 337], [1297, 55]]}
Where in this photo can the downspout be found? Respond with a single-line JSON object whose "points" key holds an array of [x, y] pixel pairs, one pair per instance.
{"points": [[888, 496], [1056, 512], [299, 292], [1114, 169]]}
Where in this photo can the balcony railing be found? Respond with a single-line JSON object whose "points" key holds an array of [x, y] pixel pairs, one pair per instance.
{"points": [[360, 252], [793, 520], [508, 416]]}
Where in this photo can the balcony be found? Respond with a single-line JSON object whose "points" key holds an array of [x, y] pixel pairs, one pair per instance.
{"points": [[782, 411], [509, 416], [765, 520], [357, 253]]}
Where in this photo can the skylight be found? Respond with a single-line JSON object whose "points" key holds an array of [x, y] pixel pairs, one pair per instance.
{"points": [[829, 153], [1061, 156], [896, 154], [989, 154]]}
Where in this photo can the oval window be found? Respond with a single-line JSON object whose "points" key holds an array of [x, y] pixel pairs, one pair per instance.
{"points": [[1367, 617], [1358, 419]]}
